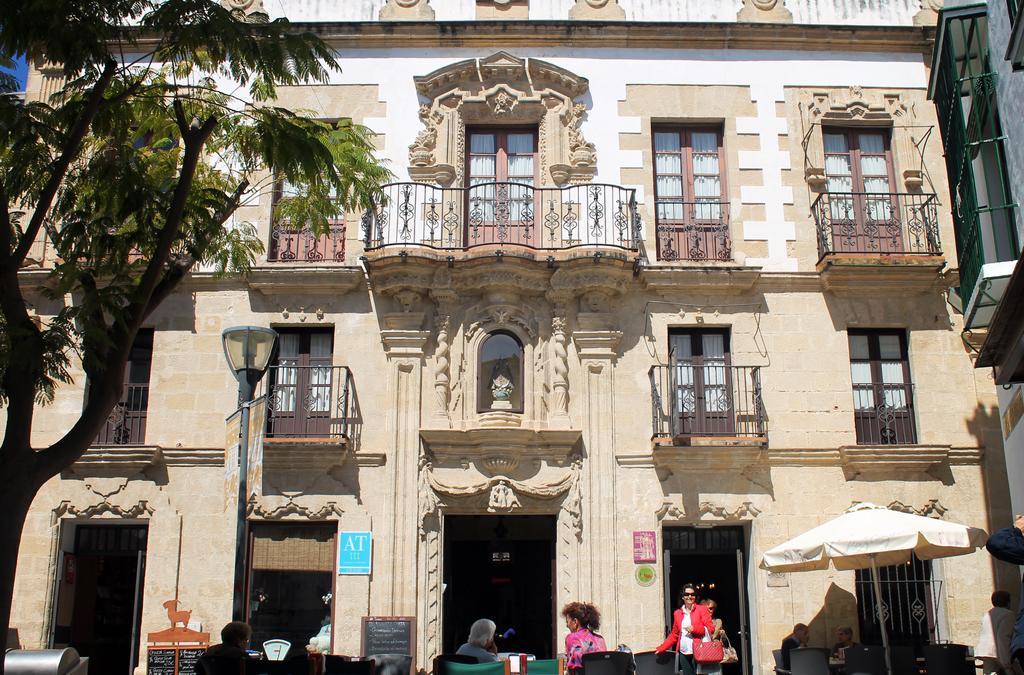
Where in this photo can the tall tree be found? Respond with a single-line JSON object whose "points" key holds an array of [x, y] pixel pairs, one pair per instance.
{"points": [[130, 177]]}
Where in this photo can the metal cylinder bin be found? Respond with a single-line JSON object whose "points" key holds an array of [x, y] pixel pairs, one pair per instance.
{"points": [[45, 662]]}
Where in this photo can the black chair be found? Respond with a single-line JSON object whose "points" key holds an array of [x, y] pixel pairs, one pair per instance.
{"points": [[607, 663], [392, 664], [947, 660], [294, 666], [904, 662], [342, 665], [780, 665], [864, 660], [649, 663], [220, 665], [441, 659], [808, 661]]}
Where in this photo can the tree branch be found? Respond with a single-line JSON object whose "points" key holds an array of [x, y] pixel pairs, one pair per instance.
{"points": [[60, 168]]}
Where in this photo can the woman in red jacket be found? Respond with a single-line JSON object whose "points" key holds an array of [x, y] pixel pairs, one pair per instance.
{"points": [[690, 623]]}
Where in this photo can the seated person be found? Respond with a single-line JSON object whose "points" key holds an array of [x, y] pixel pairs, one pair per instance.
{"points": [[481, 642], [234, 641], [795, 640], [844, 637]]}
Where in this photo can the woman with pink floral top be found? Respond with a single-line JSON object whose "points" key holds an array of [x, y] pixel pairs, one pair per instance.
{"points": [[582, 619]]}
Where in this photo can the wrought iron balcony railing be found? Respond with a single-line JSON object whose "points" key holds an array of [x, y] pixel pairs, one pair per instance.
{"points": [[693, 230], [312, 402], [415, 214], [876, 223], [884, 414], [126, 424], [693, 398], [302, 245]]}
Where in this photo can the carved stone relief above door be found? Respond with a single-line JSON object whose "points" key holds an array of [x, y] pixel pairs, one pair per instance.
{"points": [[502, 89]]}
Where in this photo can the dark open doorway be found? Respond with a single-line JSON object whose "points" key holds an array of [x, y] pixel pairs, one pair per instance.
{"points": [[500, 568], [713, 558], [99, 595]]}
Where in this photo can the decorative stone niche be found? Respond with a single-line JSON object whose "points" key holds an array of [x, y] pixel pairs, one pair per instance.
{"points": [[502, 9], [407, 10], [597, 10], [856, 106], [764, 11], [502, 89]]}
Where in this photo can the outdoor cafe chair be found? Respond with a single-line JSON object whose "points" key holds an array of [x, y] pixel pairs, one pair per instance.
{"points": [[904, 662], [392, 664], [343, 665], [780, 665], [296, 666], [489, 668], [220, 665], [809, 661], [546, 667], [441, 662], [606, 663], [864, 660], [649, 663], [947, 659]]}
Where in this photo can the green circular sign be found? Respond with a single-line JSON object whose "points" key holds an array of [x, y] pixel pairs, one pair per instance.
{"points": [[645, 575]]}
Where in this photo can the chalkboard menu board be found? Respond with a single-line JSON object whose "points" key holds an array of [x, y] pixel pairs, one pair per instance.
{"points": [[160, 661], [389, 635], [188, 659], [173, 660]]}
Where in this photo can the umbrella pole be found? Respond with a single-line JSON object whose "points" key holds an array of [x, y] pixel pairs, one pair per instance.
{"points": [[881, 618]]}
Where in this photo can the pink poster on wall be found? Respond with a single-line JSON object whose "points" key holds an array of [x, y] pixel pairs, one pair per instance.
{"points": [[645, 544]]}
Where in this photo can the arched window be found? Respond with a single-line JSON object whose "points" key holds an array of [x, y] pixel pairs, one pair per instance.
{"points": [[500, 373]]}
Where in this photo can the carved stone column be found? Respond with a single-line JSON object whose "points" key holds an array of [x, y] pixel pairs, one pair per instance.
{"points": [[442, 361], [559, 360], [404, 341], [597, 343]]}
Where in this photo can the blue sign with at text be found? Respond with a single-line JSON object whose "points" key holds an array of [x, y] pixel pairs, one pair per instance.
{"points": [[355, 553]]}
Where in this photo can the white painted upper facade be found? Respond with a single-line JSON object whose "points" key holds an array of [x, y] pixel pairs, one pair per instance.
{"points": [[836, 12]]}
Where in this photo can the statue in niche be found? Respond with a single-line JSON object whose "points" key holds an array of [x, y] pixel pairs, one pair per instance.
{"points": [[502, 385]]}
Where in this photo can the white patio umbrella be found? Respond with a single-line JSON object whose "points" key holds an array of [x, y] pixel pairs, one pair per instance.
{"points": [[867, 536]]}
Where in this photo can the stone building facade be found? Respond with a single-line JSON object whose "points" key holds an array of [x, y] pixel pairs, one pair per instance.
{"points": [[647, 267]]}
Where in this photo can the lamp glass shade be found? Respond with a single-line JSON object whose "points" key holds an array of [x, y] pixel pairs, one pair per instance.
{"points": [[248, 347]]}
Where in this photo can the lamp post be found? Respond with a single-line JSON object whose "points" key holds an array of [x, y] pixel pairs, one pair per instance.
{"points": [[247, 350]]}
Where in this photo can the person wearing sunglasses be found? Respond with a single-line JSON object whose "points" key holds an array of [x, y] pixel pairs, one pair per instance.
{"points": [[690, 623]]}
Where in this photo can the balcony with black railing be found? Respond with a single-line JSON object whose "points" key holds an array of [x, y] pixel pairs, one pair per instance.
{"points": [[126, 424], [503, 214], [865, 224], [311, 404], [302, 245], [884, 414], [693, 231], [693, 400]]}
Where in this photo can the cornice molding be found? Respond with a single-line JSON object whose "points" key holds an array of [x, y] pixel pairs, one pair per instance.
{"points": [[511, 34], [291, 279]]}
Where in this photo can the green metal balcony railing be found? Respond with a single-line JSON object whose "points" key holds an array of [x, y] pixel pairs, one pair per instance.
{"points": [[973, 142]]}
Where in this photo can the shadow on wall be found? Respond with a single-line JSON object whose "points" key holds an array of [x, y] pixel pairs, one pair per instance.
{"points": [[838, 609], [986, 427]]}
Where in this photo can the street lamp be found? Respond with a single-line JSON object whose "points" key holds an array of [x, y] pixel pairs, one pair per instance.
{"points": [[247, 350]]}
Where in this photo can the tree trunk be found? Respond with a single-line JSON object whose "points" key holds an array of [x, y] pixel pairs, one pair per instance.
{"points": [[15, 499]]}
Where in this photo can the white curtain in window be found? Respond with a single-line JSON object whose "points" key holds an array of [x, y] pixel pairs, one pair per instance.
{"points": [[286, 375], [320, 347], [716, 397], [860, 372], [684, 376], [892, 371]]}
